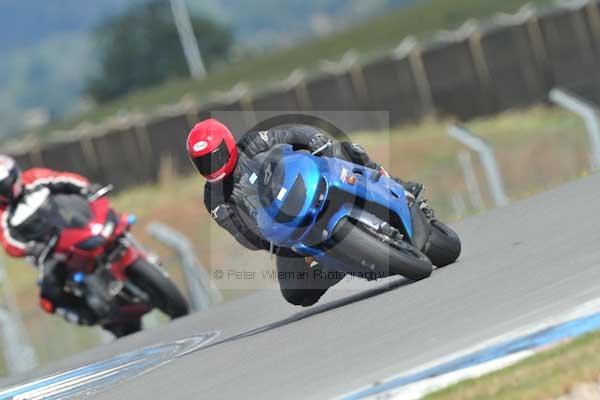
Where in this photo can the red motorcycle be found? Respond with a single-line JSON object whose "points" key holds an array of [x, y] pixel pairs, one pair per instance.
{"points": [[100, 260]]}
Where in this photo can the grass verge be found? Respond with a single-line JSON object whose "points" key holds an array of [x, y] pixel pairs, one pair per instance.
{"points": [[549, 374]]}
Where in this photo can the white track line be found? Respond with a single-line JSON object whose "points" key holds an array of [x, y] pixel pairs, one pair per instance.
{"points": [[421, 388]]}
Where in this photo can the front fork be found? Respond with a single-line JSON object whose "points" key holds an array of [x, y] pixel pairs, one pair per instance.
{"points": [[125, 253], [128, 251], [118, 260], [421, 226]]}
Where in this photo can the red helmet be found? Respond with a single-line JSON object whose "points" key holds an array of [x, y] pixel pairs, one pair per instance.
{"points": [[11, 185], [212, 149]]}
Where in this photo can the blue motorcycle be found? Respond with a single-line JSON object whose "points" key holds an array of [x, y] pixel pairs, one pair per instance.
{"points": [[346, 216]]}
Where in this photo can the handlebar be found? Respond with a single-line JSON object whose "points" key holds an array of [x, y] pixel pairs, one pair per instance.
{"points": [[101, 192], [320, 149], [43, 257]]}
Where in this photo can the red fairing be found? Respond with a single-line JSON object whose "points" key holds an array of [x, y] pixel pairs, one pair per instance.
{"points": [[47, 305], [108, 229]]}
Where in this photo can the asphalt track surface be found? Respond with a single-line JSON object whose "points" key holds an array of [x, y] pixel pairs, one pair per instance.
{"points": [[521, 264]]}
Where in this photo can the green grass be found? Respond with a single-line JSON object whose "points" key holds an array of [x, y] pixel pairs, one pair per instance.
{"points": [[369, 39], [547, 375]]}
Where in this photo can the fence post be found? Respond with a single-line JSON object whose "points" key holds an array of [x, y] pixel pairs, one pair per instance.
{"points": [[482, 69], [488, 161], [296, 81], [589, 113], [198, 282], [593, 15], [410, 48]]}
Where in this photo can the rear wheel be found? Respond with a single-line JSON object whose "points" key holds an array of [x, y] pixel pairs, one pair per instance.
{"points": [[366, 251], [444, 245], [160, 288]]}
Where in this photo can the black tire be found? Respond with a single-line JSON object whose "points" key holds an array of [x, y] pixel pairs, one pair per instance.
{"points": [[444, 245], [364, 252], [163, 293]]}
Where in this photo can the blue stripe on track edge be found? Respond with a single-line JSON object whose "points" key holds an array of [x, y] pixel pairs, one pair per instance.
{"points": [[545, 337]]}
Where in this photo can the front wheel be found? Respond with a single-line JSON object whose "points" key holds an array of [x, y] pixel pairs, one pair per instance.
{"points": [[363, 250], [444, 245], [160, 288]]}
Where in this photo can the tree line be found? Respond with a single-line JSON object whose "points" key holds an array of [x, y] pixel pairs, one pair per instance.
{"points": [[141, 48]]}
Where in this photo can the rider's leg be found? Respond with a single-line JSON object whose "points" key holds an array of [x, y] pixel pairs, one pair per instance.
{"points": [[300, 283]]}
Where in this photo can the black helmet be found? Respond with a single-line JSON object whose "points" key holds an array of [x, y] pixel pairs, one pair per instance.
{"points": [[11, 185]]}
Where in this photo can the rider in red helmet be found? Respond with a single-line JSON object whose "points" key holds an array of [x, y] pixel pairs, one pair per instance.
{"points": [[17, 191], [213, 150], [227, 166]]}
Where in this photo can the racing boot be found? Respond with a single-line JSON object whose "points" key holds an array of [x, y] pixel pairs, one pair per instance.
{"points": [[413, 188]]}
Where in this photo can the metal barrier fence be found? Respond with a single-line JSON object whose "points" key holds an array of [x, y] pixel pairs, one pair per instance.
{"points": [[200, 291]]}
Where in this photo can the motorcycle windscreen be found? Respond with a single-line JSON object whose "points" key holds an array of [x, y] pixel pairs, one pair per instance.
{"points": [[72, 211], [294, 202], [282, 189]]}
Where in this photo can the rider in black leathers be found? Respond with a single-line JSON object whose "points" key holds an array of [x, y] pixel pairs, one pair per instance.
{"points": [[15, 188], [227, 167]]}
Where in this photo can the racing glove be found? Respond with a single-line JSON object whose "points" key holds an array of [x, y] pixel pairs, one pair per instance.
{"points": [[317, 142]]}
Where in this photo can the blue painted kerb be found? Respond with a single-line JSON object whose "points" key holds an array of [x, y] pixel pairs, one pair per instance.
{"points": [[567, 330]]}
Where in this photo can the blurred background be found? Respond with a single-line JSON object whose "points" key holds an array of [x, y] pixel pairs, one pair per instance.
{"points": [[110, 89]]}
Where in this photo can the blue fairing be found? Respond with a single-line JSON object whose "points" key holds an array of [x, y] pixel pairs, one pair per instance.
{"points": [[301, 194]]}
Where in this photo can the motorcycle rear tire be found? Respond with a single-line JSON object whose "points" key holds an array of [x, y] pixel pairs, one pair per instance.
{"points": [[357, 247], [444, 245], [160, 288]]}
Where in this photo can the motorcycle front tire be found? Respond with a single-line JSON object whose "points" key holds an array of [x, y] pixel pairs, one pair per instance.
{"points": [[360, 248], [444, 245], [160, 288]]}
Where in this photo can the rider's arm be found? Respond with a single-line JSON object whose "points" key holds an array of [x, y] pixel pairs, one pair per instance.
{"points": [[13, 246], [225, 215], [57, 182], [301, 137], [305, 138]]}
